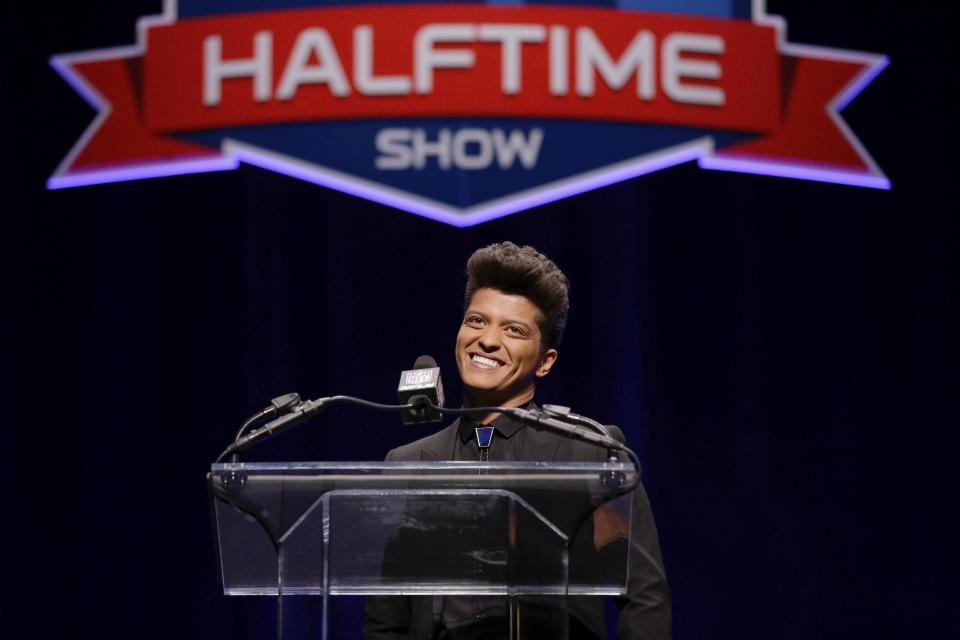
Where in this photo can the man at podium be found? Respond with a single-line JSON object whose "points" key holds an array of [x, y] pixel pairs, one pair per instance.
{"points": [[515, 310]]}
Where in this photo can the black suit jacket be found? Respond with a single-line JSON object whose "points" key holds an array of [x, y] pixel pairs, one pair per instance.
{"points": [[644, 613]]}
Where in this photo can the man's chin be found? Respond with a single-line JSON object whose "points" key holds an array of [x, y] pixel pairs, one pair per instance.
{"points": [[483, 391], [482, 396]]}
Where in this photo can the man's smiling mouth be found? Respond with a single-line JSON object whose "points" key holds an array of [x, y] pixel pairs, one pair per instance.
{"points": [[485, 362]]}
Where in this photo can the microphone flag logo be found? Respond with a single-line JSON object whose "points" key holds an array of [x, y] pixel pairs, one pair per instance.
{"points": [[464, 112], [418, 376]]}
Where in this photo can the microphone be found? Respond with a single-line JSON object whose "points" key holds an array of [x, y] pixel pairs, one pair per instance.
{"points": [[279, 406], [295, 416], [565, 414], [421, 387], [543, 419]]}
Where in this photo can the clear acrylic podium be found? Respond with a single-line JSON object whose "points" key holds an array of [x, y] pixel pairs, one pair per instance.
{"points": [[533, 533]]}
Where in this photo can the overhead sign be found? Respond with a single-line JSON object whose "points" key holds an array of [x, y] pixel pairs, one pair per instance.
{"points": [[469, 111]]}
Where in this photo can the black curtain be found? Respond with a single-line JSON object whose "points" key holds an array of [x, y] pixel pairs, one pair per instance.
{"points": [[781, 353]]}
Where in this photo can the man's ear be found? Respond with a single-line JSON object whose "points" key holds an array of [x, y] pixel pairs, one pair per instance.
{"points": [[546, 362]]}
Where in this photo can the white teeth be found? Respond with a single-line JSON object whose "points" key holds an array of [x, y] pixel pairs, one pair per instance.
{"points": [[485, 361]]}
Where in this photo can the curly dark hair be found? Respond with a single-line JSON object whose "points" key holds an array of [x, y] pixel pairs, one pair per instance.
{"points": [[523, 271]]}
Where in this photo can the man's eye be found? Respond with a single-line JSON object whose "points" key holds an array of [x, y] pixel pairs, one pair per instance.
{"points": [[516, 331], [474, 321]]}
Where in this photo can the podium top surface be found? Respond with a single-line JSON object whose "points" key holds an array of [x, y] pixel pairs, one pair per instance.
{"points": [[459, 465], [264, 478]]}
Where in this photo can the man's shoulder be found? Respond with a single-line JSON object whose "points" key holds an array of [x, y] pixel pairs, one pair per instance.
{"points": [[438, 445]]}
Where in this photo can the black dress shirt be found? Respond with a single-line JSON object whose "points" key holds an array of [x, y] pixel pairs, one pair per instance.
{"points": [[485, 616], [507, 441]]}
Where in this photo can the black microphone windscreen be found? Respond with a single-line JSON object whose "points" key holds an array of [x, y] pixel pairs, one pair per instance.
{"points": [[421, 385], [425, 362]]}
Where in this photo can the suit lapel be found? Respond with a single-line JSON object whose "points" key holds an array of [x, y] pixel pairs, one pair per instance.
{"points": [[428, 456], [441, 449], [539, 445]]}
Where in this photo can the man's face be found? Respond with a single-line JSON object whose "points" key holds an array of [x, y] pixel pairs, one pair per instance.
{"points": [[498, 349]]}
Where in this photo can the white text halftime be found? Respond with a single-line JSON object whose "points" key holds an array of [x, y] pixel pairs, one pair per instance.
{"points": [[314, 60]]}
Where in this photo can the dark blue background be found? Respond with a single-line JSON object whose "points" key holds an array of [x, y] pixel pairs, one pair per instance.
{"points": [[782, 354]]}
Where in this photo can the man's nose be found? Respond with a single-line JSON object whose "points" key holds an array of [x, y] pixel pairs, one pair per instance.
{"points": [[490, 339]]}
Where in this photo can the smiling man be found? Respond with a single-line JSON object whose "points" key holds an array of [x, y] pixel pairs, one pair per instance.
{"points": [[499, 348], [515, 311]]}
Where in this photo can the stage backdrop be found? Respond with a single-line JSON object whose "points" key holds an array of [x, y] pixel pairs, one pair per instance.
{"points": [[780, 352]]}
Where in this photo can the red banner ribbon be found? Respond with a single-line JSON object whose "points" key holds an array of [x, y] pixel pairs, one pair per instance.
{"points": [[403, 61]]}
